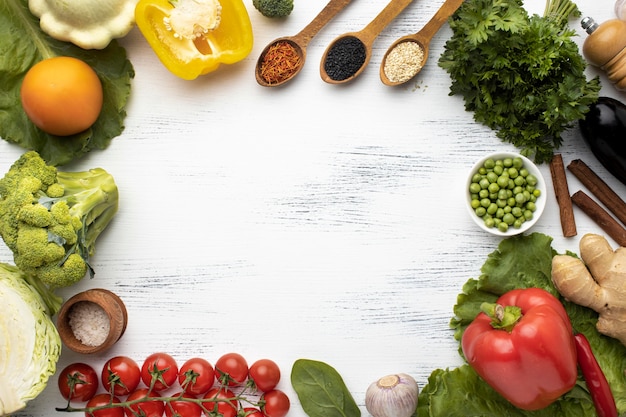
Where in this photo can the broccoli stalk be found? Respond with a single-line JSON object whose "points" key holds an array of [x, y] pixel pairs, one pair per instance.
{"points": [[51, 219], [274, 8]]}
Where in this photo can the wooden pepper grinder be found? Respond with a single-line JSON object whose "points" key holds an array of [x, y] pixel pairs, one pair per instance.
{"points": [[605, 47]]}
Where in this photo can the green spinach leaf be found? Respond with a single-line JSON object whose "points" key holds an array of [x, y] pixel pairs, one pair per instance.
{"points": [[23, 44], [321, 390]]}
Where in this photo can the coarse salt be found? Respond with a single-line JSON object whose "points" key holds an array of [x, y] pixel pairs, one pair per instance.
{"points": [[89, 323]]}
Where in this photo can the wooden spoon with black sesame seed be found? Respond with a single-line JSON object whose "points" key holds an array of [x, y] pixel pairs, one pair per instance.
{"points": [[406, 57], [347, 56]]}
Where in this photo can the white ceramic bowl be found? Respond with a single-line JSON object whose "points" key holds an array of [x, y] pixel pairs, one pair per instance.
{"points": [[540, 202]]}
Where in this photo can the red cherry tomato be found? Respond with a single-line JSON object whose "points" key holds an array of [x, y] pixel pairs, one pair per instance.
{"points": [[104, 399], [78, 382], [147, 408], [162, 367], [253, 412], [231, 369], [120, 374], [275, 403], [265, 373], [223, 402], [196, 376], [181, 408]]}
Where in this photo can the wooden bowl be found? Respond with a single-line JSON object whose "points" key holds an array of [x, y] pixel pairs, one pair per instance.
{"points": [[107, 305]]}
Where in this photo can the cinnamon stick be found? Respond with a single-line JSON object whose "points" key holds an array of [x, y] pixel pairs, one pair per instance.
{"points": [[563, 199], [600, 216], [599, 189]]}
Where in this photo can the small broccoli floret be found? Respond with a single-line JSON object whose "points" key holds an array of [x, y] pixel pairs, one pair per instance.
{"points": [[51, 219], [274, 8]]}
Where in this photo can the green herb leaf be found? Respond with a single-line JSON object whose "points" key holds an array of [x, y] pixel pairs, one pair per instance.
{"points": [[23, 44], [321, 390], [522, 76]]}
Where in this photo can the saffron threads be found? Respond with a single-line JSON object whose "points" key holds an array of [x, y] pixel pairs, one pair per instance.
{"points": [[280, 62]]}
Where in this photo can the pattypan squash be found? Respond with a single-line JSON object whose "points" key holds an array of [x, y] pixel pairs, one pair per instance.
{"points": [[89, 24], [193, 37]]}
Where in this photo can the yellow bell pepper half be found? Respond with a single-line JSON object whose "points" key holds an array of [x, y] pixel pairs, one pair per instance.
{"points": [[230, 42]]}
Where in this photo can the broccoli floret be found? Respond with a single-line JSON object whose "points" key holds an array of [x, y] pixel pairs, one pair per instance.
{"points": [[274, 8], [51, 219]]}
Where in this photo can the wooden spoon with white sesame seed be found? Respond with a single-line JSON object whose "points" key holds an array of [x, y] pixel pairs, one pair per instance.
{"points": [[406, 57]]}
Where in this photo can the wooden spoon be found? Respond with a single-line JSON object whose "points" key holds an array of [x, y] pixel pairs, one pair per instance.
{"points": [[366, 36], [301, 40], [420, 40]]}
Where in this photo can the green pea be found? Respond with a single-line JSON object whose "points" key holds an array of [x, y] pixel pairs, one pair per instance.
{"points": [[491, 177], [499, 213], [490, 222], [508, 219], [517, 223], [480, 211], [489, 163], [493, 207], [474, 188], [520, 198], [503, 181], [518, 162], [531, 179], [503, 227], [493, 188], [519, 181], [517, 211], [507, 162], [484, 183], [485, 202], [513, 173], [498, 169]]}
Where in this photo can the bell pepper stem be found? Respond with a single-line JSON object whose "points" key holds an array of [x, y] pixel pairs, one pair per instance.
{"points": [[502, 317]]}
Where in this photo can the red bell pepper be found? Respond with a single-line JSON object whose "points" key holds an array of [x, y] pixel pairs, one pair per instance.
{"points": [[523, 346]]}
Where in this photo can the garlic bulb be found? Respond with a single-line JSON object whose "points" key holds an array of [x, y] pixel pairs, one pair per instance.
{"points": [[620, 9], [392, 396]]}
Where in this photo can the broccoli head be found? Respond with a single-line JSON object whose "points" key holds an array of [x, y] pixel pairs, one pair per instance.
{"points": [[51, 219], [274, 8]]}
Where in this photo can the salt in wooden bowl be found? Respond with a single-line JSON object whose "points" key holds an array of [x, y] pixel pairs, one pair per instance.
{"points": [[92, 321]]}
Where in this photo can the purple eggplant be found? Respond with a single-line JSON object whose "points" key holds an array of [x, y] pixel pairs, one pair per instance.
{"points": [[604, 130]]}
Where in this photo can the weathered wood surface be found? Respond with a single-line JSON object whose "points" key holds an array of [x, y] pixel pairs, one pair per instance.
{"points": [[307, 221]]}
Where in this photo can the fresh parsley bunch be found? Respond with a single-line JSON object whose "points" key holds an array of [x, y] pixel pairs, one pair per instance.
{"points": [[523, 76]]}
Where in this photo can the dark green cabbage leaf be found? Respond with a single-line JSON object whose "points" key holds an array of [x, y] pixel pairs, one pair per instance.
{"points": [[519, 262], [23, 44]]}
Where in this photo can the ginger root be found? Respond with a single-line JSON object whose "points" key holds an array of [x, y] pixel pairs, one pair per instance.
{"points": [[597, 281]]}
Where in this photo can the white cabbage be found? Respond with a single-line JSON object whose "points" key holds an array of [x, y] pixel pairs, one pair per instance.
{"points": [[30, 345]]}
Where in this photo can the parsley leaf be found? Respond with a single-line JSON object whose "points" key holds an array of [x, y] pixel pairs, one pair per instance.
{"points": [[522, 76]]}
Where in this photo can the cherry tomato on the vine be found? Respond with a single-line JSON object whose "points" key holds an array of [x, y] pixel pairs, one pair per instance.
{"points": [[78, 382], [104, 399], [275, 403], [120, 374], [147, 408], [231, 369], [196, 376], [181, 408], [223, 402], [252, 412], [162, 367], [265, 374]]}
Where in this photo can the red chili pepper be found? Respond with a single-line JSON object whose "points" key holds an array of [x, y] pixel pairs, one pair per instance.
{"points": [[594, 377]]}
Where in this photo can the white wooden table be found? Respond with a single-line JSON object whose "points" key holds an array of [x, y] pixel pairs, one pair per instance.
{"points": [[308, 221]]}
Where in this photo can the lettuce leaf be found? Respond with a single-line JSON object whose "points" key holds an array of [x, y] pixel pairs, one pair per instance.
{"points": [[22, 44], [519, 262]]}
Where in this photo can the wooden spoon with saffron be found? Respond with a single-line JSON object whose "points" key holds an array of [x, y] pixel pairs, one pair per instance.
{"points": [[406, 57], [347, 56], [289, 52]]}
